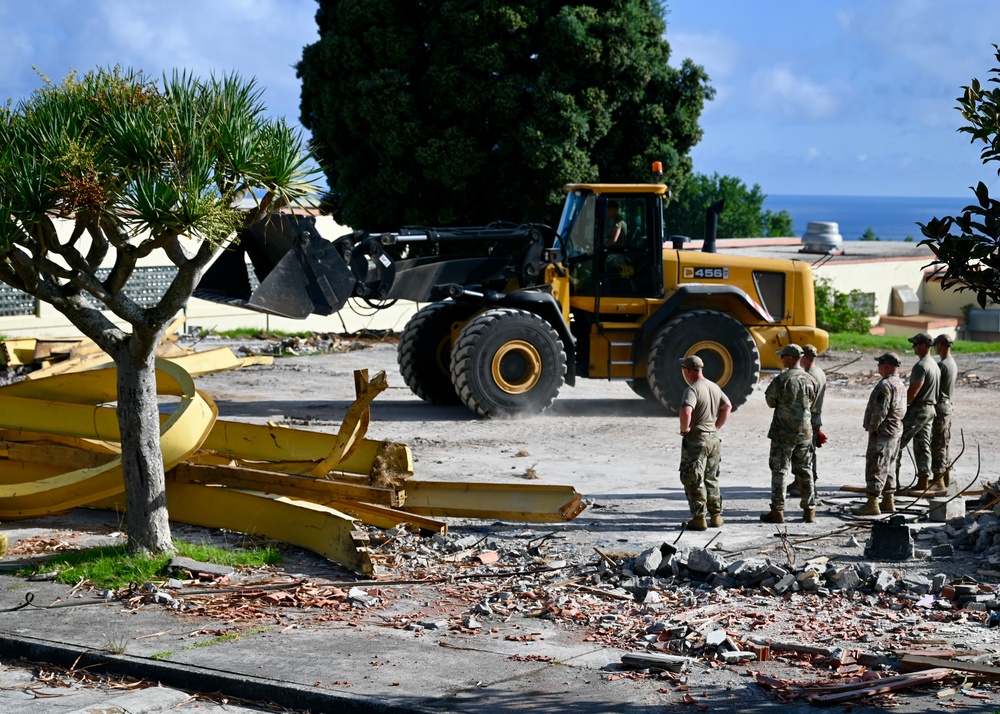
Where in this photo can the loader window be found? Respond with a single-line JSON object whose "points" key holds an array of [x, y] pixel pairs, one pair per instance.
{"points": [[577, 230], [629, 262], [771, 291]]}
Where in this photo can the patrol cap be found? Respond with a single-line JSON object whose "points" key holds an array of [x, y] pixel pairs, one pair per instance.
{"points": [[888, 358], [944, 340], [921, 338], [809, 350], [693, 362], [790, 351]]}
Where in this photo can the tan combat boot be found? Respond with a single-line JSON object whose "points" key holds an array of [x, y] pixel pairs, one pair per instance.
{"points": [[869, 509], [939, 483], [773, 516], [809, 515], [888, 504], [715, 521], [697, 524], [921, 484]]}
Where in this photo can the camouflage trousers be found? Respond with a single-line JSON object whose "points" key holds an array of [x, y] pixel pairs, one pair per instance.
{"points": [[917, 425], [701, 455], [880, 477], [799, 457], [940, 439]]}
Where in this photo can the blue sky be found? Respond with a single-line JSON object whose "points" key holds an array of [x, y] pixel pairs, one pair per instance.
{"points": [[849, 97]]}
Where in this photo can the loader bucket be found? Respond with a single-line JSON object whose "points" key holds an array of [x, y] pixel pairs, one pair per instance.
{"points": [[297, 272]]}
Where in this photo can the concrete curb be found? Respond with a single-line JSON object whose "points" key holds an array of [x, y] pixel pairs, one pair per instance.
{"points": [[199, 679]]}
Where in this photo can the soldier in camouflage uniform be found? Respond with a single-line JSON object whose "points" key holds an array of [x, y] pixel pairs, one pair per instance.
{"points": [[808, 363], [884, 424], [791, 395], [941, 426], [704, 409], [921, 400]]}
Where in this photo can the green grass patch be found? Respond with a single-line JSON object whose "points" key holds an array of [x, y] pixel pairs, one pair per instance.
{"points": [[216, 641], [900, 344], [114, 567]]}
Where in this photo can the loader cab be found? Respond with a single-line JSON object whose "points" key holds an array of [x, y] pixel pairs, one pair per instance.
{"points": [[611, 239]]}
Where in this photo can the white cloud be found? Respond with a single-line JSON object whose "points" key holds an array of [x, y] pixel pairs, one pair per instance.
{"points": [[780, 90]]}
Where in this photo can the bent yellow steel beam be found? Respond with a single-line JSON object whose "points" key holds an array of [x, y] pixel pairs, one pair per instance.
{"points": [[17, 352], [355, 424], [515, 502], [317, 490], [317, 528], [31, 405], [276, 448], [384, 517]]}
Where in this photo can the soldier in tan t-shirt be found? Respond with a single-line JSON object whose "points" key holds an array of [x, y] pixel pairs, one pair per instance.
{"points": [[704, 409]]}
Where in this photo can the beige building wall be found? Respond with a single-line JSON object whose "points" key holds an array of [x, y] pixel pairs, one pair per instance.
{"points": [[878, 276]]}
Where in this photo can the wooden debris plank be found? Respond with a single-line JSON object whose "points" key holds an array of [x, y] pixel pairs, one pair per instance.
{"points": [[917, 662], [801, 649], [831, 688], [881, 687]]}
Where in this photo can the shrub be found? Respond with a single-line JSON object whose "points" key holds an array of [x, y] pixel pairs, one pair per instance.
{"points": [[841, 312]]}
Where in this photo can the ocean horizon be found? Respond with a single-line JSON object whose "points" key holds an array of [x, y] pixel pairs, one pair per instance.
{"points": [[892, 218]]}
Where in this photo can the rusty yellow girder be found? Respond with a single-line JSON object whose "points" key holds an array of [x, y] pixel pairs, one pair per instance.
{"points": [[506, 501]]}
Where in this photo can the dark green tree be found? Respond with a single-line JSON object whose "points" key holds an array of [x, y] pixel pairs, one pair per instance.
{"points": [[443, 112], [743, 216], [967, 247]]}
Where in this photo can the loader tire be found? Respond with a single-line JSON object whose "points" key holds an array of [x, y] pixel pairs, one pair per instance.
{"points": [[424, 351], [508, 363], [642, 388], [729, 352]]}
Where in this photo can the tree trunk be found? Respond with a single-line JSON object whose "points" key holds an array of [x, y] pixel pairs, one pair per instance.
{"points": [[146, 518]]}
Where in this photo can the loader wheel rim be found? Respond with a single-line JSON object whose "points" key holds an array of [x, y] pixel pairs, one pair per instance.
{"points": [[517, 367], [718, 360]]}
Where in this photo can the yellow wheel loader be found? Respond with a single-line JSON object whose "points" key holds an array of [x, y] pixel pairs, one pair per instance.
{"points": [[517, 310]]}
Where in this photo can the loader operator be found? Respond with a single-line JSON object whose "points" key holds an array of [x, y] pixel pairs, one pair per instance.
{"points": [[941, 427], [884, 424], [921, 399], [704, 409], [791, 395], [614, 226]]}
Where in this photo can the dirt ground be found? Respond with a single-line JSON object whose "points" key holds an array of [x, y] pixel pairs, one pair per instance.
{"points": [[619, 451]]}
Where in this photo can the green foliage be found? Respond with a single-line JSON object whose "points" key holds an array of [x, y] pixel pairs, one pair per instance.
{"points": [[965, 246], [465, 113], [900, 344], [835, 311], [908, 239], [114, 566], [742, 217], [869, 235]]}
